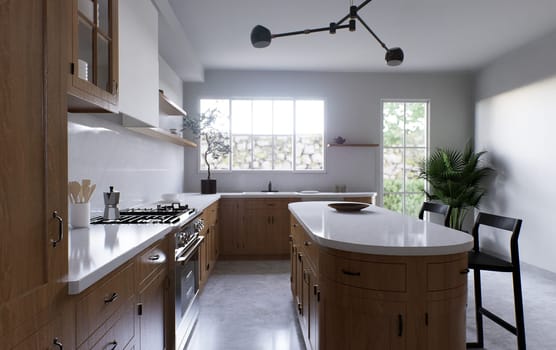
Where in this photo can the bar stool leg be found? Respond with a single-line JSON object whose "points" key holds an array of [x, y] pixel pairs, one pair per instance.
{"points": [[518, 300], [478, 307]]}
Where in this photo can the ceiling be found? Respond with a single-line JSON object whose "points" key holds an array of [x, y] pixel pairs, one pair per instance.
{"points": [[436, 35]]}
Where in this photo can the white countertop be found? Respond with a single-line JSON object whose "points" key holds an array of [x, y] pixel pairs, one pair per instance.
{"points": [[96, 251], [304, 195], [379, 231]]}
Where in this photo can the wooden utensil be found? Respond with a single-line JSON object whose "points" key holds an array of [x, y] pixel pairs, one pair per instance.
{"points": [[75, 189], [90, 193], [85, 184]]}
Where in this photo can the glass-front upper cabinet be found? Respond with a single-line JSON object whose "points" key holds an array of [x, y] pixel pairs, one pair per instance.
{"points": [[94, 66]]}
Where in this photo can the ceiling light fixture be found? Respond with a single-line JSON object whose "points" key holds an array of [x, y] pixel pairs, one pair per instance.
{"points": [[261, 36]]}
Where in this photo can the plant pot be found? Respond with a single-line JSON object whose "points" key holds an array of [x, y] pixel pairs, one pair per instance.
{"points": [[208, 186]]}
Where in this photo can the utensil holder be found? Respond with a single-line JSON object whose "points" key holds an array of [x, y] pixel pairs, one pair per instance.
{"points": [[80, 214]]}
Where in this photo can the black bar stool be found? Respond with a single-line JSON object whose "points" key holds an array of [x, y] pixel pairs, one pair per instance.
{"points": [[438, 208], [481, 261]]}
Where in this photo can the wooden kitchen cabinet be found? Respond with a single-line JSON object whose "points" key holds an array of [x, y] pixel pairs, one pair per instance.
{"points": [[231, 219], [255, 227], [305, 284], [358, 301], [33, 176], [93, 56]]}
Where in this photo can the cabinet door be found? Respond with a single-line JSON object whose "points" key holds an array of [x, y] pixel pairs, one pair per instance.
{"points": [[356, 319], [152, 318], [280, 228], [258, 231], [314, 300], [231, 220], [445, 323], [33, 175], [293, 267], [94, 54]]}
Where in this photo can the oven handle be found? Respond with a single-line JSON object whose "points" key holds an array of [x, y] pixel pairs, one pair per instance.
{"points": [[183, 257]]}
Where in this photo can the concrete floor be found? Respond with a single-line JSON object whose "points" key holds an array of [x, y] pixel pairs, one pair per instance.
{"points": [[248, 305]]}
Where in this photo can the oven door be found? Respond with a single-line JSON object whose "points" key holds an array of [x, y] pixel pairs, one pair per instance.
{"points": [[186, 287]]}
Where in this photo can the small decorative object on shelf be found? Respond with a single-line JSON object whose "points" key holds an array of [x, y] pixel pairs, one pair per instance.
{"points": [[339, 140]]}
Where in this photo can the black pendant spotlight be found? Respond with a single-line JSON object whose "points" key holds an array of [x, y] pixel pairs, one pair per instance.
{"points": [[261, 36]]}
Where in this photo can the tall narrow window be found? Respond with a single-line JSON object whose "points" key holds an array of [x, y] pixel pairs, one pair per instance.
{"points": [[405, 140]]}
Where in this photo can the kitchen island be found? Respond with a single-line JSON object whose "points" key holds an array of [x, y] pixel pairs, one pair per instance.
{"points": [[375, 279]]}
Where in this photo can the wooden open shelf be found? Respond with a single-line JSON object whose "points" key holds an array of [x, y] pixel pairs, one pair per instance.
{"points": [[169, 107], [352, 145], [163, 135]]}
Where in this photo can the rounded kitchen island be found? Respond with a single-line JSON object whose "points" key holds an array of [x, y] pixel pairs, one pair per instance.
{"points": [[376, 279]]}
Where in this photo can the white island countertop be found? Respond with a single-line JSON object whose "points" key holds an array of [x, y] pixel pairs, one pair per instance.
{"points": [[378, 231]]}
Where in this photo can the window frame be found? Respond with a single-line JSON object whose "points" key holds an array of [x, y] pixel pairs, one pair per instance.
{"points": [[382, 147], [200, 162]]}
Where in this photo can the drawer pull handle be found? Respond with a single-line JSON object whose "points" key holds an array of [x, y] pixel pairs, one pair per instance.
{"points": [[154, 257], [112, 298], [114, 345], [57, 342], [464, 271], [350, 273]]}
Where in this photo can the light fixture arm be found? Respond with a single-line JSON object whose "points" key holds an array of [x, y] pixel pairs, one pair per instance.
{"points": [[330, 28], [373, 33], [261, 36]]}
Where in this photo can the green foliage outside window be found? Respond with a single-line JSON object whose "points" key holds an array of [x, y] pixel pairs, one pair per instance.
{"points": [[405, 146]]}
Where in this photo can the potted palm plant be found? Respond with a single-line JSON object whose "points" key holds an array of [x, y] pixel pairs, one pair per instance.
{"points": [[456, 179], [214, 144]]}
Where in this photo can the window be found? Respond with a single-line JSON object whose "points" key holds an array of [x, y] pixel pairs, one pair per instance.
{"points": [[284, 135], [405, 143]]}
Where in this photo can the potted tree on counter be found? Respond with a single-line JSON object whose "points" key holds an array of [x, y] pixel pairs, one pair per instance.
{"points": [[456, 179], [214, 144]]}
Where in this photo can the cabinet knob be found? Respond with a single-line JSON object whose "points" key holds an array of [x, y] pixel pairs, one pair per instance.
{"points": [[114, 345], [307, 243], [464, 271]]}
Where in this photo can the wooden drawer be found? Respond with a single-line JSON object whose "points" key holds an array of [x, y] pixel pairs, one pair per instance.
{"points": [[118, 335], [152, 260], [380, 276], [310, 248], [261, 203], [103, 300], [447, 275]]}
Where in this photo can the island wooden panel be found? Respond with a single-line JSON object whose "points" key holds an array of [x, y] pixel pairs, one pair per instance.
{"points": [[356, 301]]}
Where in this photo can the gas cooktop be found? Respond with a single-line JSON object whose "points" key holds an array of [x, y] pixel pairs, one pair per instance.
{"points": [[161, 214]]}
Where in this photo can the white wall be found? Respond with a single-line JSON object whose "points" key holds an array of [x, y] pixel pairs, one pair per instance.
{"points": [[515, 122], [352, 111], [141, 168]]}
